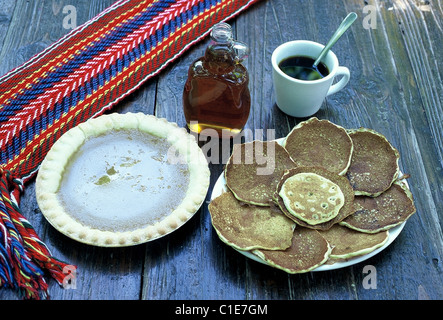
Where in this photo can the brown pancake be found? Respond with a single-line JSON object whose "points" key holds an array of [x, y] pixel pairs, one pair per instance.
{"points": [[346, 210], [348, 243], [320, 143], [308, 251], [374, 163], [247, 227], [254, 170], [375, 214]]}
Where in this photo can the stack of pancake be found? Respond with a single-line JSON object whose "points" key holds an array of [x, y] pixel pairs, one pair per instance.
{"points": [[320, 195]]}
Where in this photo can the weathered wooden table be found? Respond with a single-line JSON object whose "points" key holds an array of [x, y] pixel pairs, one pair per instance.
{"points": [[395, 54]]}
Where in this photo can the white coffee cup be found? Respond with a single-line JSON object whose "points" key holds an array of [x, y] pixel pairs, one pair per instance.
{"points": [[303, 98]]}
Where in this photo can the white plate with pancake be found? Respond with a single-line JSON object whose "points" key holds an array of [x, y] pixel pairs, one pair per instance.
{"points": [[220, 187]]}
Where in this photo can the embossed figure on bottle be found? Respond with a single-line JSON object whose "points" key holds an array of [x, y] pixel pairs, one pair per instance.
{"points": [[216, 97]]}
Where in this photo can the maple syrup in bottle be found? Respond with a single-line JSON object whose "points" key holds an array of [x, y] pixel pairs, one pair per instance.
{"points": [[216, 94]]}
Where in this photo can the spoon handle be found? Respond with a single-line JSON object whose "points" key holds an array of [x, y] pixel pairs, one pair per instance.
{"points": [[346, 23]]}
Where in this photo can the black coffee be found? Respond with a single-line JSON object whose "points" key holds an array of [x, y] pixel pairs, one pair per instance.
{"points": [[301, 67]]}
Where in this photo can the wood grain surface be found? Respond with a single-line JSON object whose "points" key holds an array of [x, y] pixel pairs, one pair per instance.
{"points": [[395, 88]]}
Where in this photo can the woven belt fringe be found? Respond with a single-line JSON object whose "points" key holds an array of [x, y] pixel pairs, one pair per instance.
{"points": [[79, 77]]}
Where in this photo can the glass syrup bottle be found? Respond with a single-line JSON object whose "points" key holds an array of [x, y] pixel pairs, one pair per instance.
{"points": [[216, 94]]}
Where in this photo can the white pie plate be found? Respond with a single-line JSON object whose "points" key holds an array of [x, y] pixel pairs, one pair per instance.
{"points": [[141, 179]]}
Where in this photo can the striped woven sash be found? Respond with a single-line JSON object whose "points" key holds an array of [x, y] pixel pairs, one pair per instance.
{"points": [[81, 76]]}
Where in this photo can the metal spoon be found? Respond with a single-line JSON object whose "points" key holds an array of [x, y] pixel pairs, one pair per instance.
{"points": [[346, 23]]}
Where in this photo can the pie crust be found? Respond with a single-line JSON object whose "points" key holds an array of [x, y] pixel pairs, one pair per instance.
{"points": [[122, 179]]}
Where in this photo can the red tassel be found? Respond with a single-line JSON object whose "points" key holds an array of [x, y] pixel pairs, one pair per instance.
{"points": [[27, 254]]}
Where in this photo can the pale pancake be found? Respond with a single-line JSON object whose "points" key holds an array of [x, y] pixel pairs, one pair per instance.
{"points": [[348, 243], [308, 251], [311, 197], [320, 143], [343, 183], [374, 164], [254, 170], [375, 214], [246, 227]]}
